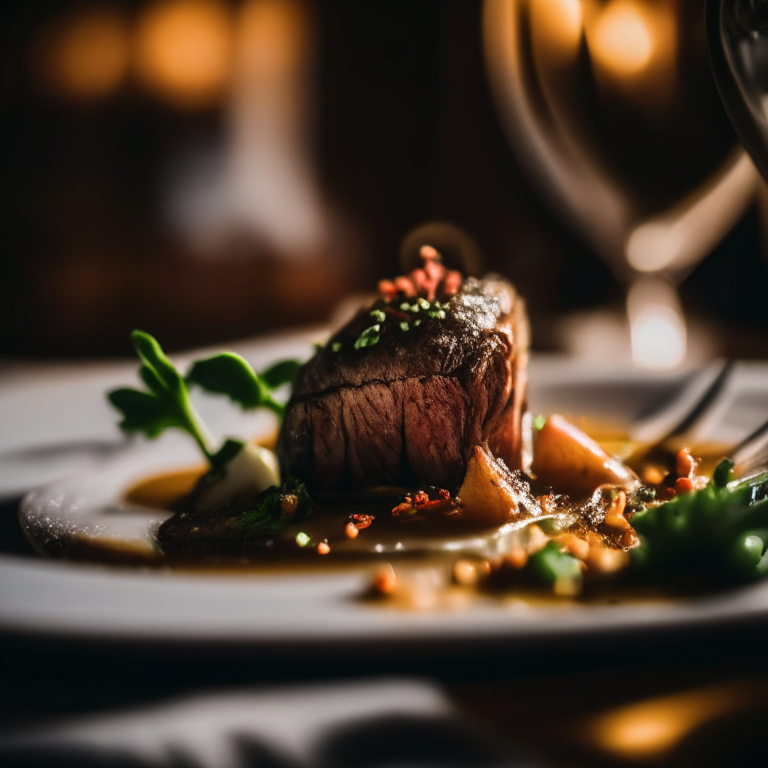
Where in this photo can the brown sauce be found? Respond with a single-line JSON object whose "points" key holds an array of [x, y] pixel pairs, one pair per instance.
{"points": [[424, 578], [164, 490]]}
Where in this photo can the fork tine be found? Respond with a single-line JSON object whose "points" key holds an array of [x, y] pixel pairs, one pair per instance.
{"points": [[705, 403], [686, 410], [751, 454]]}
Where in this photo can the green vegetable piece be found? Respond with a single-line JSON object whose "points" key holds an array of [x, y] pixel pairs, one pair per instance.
{"points": [[281, 373], [553, 567], [404, 326], [762, 567], [746, 553], [718, 533], [336, 346], [405, 306], [275, 509], [723, 474], [539, 422], [302, 539], [423, 303]]}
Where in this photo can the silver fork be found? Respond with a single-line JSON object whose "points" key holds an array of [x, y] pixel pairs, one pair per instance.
{"points": [[687, 414], [750, 456]]}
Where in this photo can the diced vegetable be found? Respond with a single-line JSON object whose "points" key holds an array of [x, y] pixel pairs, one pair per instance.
{"points": [[557, 569], [572, 462], [490, 494]]}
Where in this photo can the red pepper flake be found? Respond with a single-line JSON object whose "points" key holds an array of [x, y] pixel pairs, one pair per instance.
{"points": [[420, 498], [387, 290], [435, 271], [362, 521], [396, 313], [323, 548], [406, 286], [438, 505], [684, 485], [430, 281], [443, 494], [452, 283], [406, 509], [351, 531]]}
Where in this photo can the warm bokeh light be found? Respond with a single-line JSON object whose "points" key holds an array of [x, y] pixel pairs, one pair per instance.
{"points": [[656, 325], [654, 246], [651, 728], [86, 56], [271, 37], [559, 22], [184, 50], [622, 40]]}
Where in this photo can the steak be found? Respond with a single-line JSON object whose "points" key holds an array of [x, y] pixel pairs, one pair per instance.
{"points": [[404, 402]]}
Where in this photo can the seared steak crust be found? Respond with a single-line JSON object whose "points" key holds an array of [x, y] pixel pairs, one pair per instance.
{"points": [[410, 409]]}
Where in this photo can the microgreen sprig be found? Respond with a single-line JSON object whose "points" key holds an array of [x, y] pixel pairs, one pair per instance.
{"points": [[166, 402]]}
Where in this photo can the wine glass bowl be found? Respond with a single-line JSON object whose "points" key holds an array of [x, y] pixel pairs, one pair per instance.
{"points": [[737, 34], [611, 107]]}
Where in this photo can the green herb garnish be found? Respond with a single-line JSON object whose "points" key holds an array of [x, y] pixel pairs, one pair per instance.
{"points": [[166, 403], [275, 509], [369, 337], [378, 315], [229, 374]]}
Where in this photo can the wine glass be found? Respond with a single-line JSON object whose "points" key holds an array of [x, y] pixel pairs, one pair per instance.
{"points": [[737, 34], [611, 107]]}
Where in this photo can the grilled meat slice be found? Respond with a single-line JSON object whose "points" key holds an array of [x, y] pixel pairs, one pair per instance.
{"points": [[410, 408]]}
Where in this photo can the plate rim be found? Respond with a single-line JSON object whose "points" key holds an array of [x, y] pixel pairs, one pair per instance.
{"points": [[748, 604]]}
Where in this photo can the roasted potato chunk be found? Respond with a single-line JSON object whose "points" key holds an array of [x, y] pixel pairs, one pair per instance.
{"points": [[572, 462], [491, 494]]}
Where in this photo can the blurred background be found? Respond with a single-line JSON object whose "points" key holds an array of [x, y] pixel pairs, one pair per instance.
{"points": [[211, 169]]}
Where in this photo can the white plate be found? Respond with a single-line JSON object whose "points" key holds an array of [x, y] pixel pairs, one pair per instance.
{"points": [[61, 599]]}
